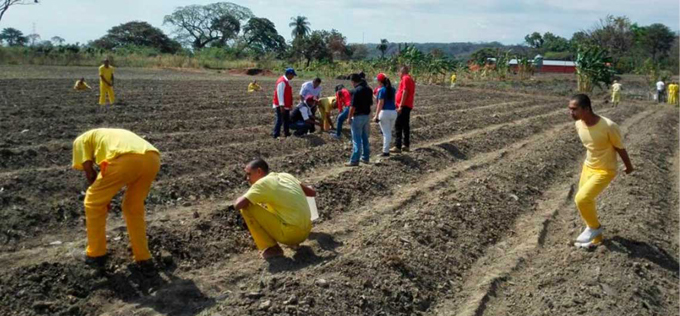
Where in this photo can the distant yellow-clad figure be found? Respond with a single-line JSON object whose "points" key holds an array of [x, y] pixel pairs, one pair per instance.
{"points": [[106, 83], [125, 160], [673, 93], [616, 93], [254, 86], [325, 106], [81, 85], [453, 80], [676, 90]]}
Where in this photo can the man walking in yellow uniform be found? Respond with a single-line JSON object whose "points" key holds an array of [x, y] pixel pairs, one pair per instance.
{"points": [[616, 93], [275, 209], [602, 139], [106, 83], [125, 160], [453, 80]]}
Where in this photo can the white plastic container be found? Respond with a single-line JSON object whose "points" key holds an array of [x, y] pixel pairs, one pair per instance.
{"points": [[312, 208]]}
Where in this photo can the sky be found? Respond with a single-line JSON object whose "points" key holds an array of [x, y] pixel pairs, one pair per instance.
{"points": [[419, 21]]}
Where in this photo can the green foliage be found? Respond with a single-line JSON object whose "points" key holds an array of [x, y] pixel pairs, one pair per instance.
{"points": [[213, 24], [534, 40], [261, 37], [300, 26], [382, 47], [13, 37], [139, 34], [592, 68]]}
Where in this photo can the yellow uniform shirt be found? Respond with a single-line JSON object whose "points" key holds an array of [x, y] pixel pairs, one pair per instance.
{"points": [[453, 78], [600, 140], [80, 86], [105, 144], [253, 87], [107, 73], [282, 195], [616, 87], [326, 104]]}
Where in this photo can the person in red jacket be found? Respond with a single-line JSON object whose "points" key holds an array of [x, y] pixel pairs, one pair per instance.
{"points": [[283, 103], [343, 99], [404, 98]]}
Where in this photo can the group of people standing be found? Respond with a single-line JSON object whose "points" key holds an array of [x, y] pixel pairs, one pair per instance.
{"points": [[668, 93], [393, 111]]}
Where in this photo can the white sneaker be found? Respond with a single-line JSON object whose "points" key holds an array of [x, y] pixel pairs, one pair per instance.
{"points": [[589, 234]]}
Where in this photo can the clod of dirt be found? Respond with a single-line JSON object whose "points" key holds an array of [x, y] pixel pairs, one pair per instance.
{"points": [[254, 295], [321, 282], [265, 305], [292, 300]]}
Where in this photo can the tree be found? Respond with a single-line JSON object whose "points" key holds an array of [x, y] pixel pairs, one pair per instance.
{"points": [[337, 44], [657, 40], [534, 40], [613, 34], [5, 4], [13, 37], [358, 51], [33, 38], [260, 35], [382, 47], [300, 26], [312, 47], [137, 33], [554, 43], [213, 24], [437, 53], [58, 41], [592, 68]]}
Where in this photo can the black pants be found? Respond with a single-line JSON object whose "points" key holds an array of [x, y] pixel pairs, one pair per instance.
{"points": [[282, 119], [403, 128]]}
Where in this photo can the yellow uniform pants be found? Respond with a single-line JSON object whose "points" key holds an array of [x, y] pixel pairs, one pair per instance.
{"points": [[136, 172], [326, 124], [105, 90], [616, 97], [592, 183], [267, 229]]}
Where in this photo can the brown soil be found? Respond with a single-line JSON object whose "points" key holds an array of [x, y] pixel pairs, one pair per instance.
{"points": [[477, 219]]}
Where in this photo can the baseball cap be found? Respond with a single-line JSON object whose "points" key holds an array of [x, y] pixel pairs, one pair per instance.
{"points": [[290, 71], [309, 98], [381, 77]]}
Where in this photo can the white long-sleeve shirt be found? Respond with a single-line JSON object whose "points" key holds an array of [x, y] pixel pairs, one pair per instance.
{"points": [[308, 89]]}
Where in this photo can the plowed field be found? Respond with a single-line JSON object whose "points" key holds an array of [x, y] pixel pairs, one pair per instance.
{"points": [[476, 220]]}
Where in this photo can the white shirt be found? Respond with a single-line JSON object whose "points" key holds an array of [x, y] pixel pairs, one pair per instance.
{"points": [[660, 85], [308, 89], [280, 91], [305, 111]]}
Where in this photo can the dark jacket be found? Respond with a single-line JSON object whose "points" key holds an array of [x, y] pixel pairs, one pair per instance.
{"points": [[362, 99]]}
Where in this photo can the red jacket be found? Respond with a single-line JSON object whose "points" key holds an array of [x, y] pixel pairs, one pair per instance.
{"points": [[287, 94]]}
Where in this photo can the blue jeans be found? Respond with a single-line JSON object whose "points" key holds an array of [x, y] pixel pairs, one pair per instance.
{"points": [[282, 118], [341, 119], [360, 129], [302, 128]]}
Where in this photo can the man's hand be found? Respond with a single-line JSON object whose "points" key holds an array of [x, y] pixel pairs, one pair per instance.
{"points": [[90, 173], [629, 170], [241, 203], [399, 110]]}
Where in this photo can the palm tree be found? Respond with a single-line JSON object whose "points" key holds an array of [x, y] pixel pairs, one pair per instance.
{"points": [[383, 47], [300, 26]]}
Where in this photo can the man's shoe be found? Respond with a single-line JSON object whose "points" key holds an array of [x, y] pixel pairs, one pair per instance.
{"points": [[351, 164], [81, 255], [335, 136], [405, 149], [395, 150], [272, 252], [384, 155], [367, 162], [589, 234]]}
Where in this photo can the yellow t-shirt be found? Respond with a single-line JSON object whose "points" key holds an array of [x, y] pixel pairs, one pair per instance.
{"points": [[253, 87], [453, 78], [600, 140], [105, 144], [106, 72], [80, 86], [326, 104], [616, 87], [282, 195]]}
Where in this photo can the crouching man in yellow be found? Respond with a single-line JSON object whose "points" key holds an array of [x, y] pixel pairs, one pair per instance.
{"points": [[602, 139], [125, 160], [81, 85], [106, 83], [275, 209], [254, 86]]}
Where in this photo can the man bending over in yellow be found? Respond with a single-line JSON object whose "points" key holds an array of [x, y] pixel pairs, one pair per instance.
{"points": [[616, 93], [325, 106], [106, 83], [125, 160], [254, 86], [602, 139], [81, 85], [275, 209]]}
